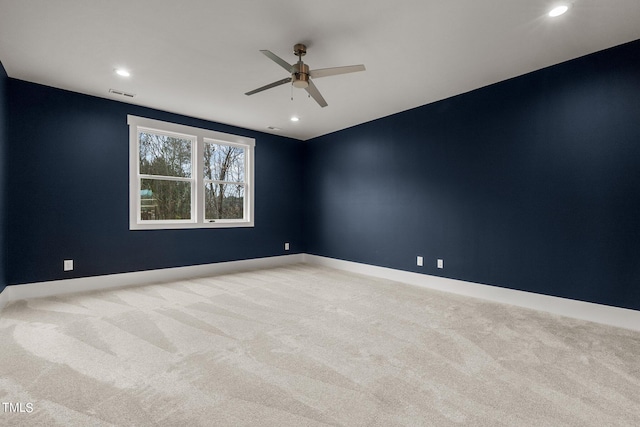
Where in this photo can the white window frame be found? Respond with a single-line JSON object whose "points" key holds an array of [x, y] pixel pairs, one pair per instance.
{"points": [[197, 180]]}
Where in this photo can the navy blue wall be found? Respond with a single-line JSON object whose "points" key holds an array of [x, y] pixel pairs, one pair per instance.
{"points": [[3, 145], [532, 184], [68, 186]]}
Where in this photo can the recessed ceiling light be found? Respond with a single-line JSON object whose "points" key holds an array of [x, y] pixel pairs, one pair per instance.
{"points": [[559, 10], [122, 72], [295, 119]]}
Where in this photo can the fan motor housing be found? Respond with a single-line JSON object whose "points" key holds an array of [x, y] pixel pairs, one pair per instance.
{"points": [[300, 75]]}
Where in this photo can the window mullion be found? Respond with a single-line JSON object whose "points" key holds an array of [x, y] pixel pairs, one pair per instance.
{"points": [[198, 175]]}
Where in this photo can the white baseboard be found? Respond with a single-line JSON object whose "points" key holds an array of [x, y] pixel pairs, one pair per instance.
{"points": [[608, 315], [614, 316], [112, 281], [4, 299]]}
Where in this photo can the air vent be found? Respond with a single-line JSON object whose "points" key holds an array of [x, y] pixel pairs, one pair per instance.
{"points": [[119, 92]]}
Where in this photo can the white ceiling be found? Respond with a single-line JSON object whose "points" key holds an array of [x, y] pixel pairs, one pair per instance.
{"points": [[199, 57]]}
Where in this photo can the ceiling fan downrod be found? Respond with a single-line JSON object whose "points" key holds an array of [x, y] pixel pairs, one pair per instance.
{"points": [[301, 70]]}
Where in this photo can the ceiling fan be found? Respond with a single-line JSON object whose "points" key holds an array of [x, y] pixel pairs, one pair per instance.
{"points": [[301, 75]]}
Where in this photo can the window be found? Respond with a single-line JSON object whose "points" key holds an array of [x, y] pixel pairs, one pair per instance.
{"points": [[185, 177]]}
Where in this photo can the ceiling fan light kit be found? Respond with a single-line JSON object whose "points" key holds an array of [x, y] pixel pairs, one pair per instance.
{"points": [[301, 75]]}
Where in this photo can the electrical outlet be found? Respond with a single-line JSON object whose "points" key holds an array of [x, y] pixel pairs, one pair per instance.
{"points": [[68, 265], [286, 246], [420, 261], [440, 263]]}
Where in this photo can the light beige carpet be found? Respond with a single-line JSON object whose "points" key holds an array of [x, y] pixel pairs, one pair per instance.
{"points": [[309, 346]]}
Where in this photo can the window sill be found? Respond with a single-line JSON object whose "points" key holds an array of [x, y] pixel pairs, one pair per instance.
{"points": [[189, 225]]}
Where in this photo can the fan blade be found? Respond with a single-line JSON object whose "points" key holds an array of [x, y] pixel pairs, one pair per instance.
{"points": [[315, 94], [325, 72], [281, 62], [269, 86]]}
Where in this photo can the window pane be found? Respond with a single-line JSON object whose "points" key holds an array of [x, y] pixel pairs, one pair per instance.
{"points": [[224, 201], [161, 199], [164, 155], [223, 162]]}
